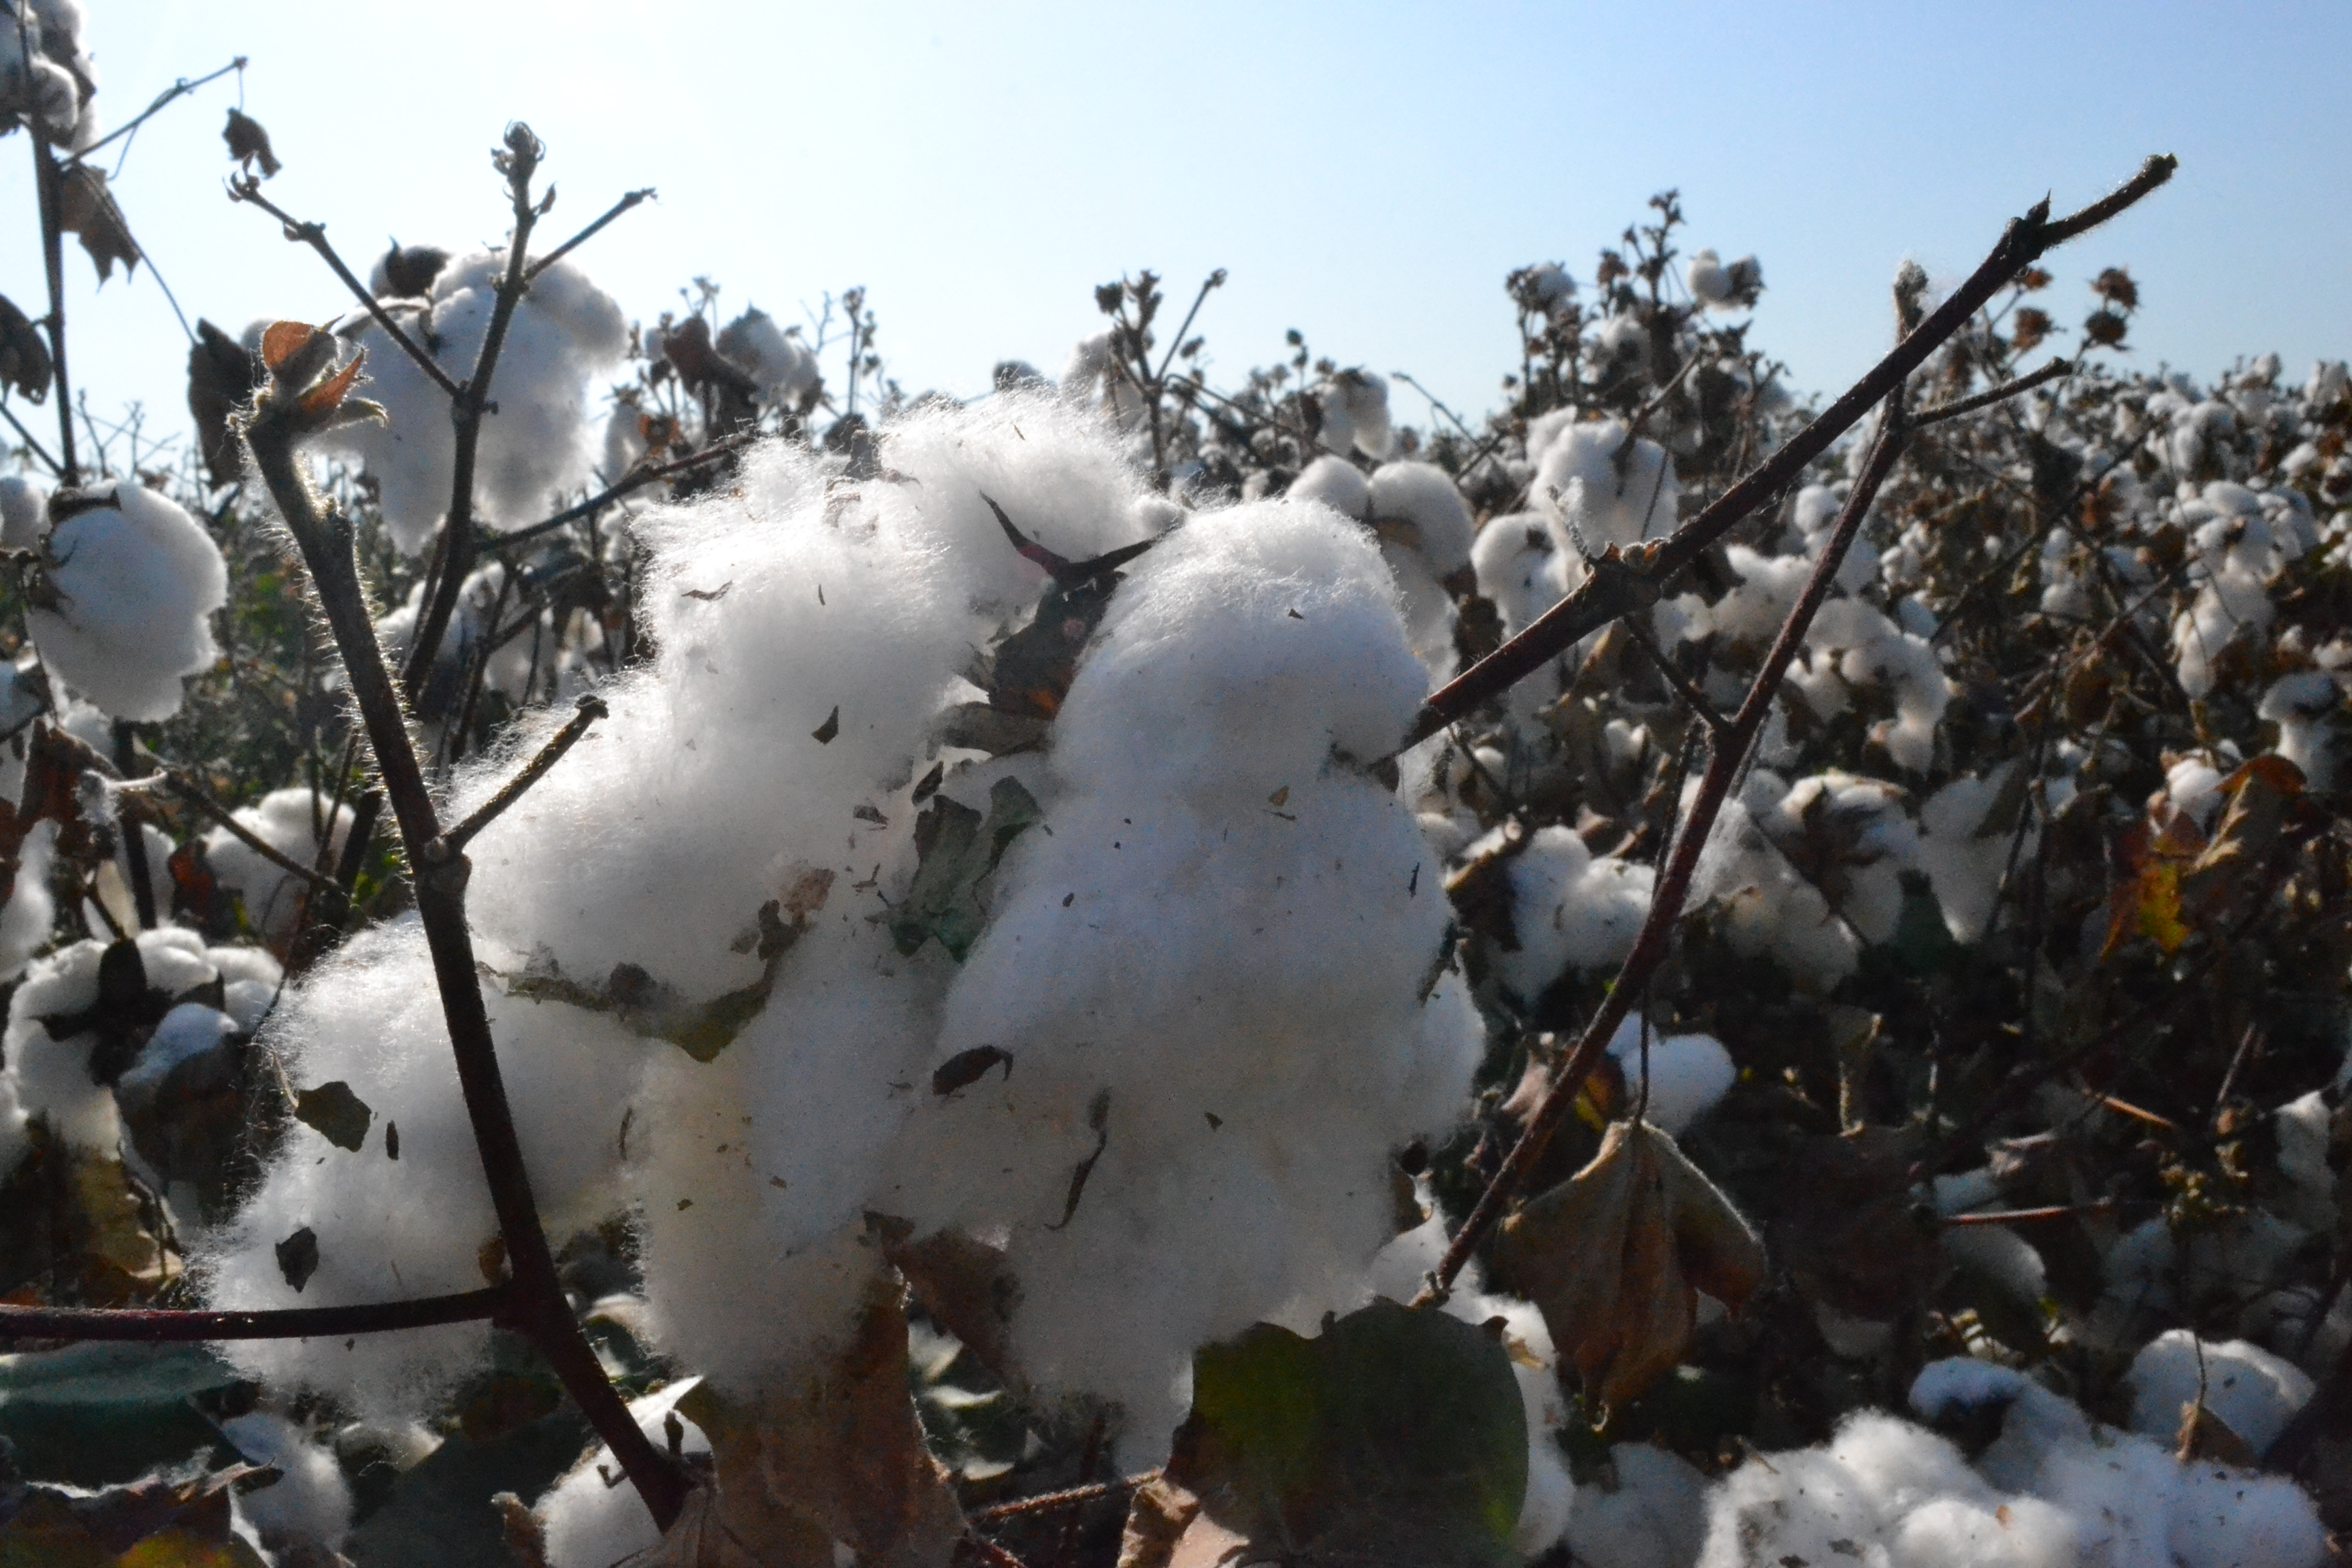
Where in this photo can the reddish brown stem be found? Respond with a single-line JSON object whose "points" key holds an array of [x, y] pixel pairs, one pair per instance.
{"points": [[156, 1326]]}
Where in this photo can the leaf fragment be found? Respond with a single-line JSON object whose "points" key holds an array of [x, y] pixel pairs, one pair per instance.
{"points": [[298, 1258], [955, 851], [87, 208], [1615, 1257], [338, 1115]]}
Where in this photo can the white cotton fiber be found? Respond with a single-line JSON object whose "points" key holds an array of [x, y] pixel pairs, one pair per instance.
{"points": [[31, 911], [1337, 484], [593, 1518], [1221, 943], [1355, 414], [1520, 567], [288, 821], [777, 360], [2302, 705], [134, 581], [1420, 503], [565, 336], [1603, 489], [370, 1017], [1650, 1512], [309, 1502], [2254, 1392], [1689, 1074], [1964, 853], [1569, 909]]}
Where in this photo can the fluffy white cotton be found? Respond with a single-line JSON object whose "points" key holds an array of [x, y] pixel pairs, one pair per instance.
{"points": [[1569, 909], [1764, 907], [309, 1502], [1420, 504], [566, 334], [2254, 1392], [1689, 1074], [53, 1071], [31, 910], [1650, 1512], [288, 821], [777, 360], [1355, 414], [1337, 484], [1604, 489], [589, 1522], [2302, 705], [1520, 567], [132, 582], [1208, 807], [1965, 853], [1852, 834], [387, 1228]]}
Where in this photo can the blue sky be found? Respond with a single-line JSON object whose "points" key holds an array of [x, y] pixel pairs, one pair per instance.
{"points": [[1367, 173]]}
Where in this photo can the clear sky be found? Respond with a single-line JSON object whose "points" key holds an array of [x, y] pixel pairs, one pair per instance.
{"points": [[1368, 173]]}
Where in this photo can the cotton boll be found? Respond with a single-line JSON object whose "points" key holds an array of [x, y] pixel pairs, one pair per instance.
{"points": [[2229, 1518], [23, 512], [2254, 1393], [1420, 499], [371, 1017], [1570, 909], [781, 364], [2302, 705], [592, 1523], [1337, 484], [288, 820], [1355, 414], [133, 581], [1689, 1074], [1708, 279], [1621, 347], [1519, 567], [310, 1503], [1964, 861], [565, 334], [31, 912], [1653, 1517], [1604, 489]]}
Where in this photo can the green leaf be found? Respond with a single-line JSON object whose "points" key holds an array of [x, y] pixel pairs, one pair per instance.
{"points": [[955, 849], [1396, 1436], [335, 1114], [99, 1413]]}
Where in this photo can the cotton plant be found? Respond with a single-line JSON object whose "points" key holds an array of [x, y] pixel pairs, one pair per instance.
{"points": [[121, 612]]}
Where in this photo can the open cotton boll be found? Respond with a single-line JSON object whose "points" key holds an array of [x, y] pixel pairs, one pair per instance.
{"points": [[23, 512], [1519, 567], [310, 1503], [31, 912], [54, 1075], [1964, 853], [1355, 414], [1210, 968], [2302, 705], [1689, 1074], [565, 334], [1337, 484], [1570, 909], [1651, 1513], [781, 364], [590, 1522], [131, 582], [387, 1228], [1422, 498], [288, 820], [1604, 491], [2254, 1393]]}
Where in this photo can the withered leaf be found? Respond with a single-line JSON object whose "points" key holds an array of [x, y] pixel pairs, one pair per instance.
{"points": [[164, 1520], [649, 1007], [298, 1258], [248, 143], [221, 377], [825, 733], [87, 208], [955, 849], [25, 362], [837, 1455], [1615, 1257], [976, 726], [1393, 1437], [2149, 859], [336, 1114]]}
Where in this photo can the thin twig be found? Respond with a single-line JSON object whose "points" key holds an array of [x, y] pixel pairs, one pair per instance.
{"points": [[188, 789], [1603, 598], [46, 179], [1693, 698], [314, 235], [636, 479], [454, 557], [2024, 1216], [456, 839], [1728, 756], [585, 234], [2001, 394], [169, 1326], [180, 88], [283, 415], [32, 444], [1071, 1497]]}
